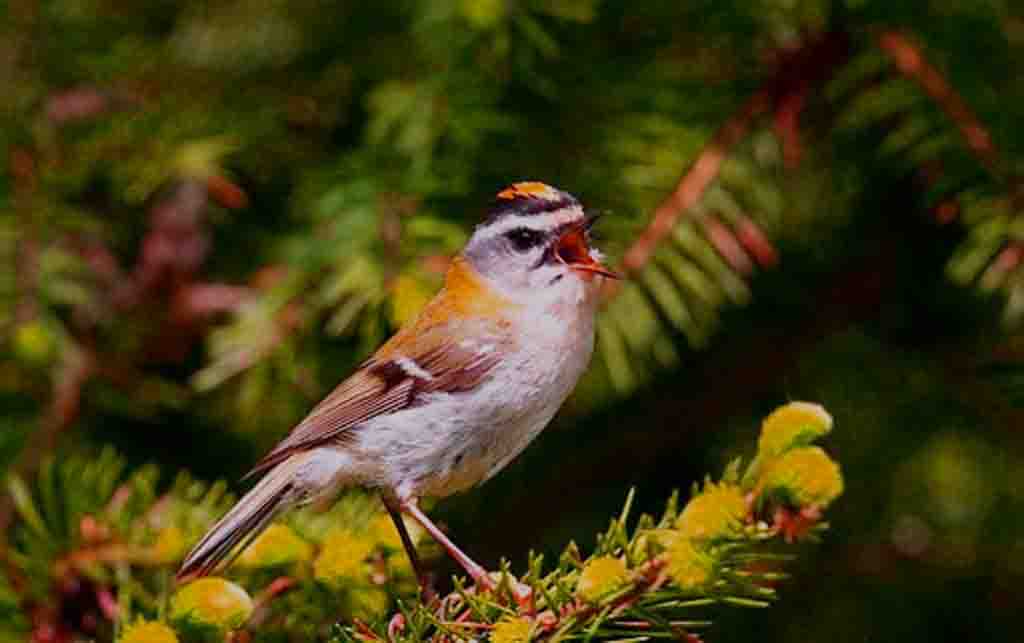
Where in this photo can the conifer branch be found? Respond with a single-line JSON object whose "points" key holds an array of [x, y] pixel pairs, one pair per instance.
{"points": [[694, 182], [912, 63], [797, 72], [112, 537]]}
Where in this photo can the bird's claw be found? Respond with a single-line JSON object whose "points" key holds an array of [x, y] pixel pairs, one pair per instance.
{"points": [[520, 592]]}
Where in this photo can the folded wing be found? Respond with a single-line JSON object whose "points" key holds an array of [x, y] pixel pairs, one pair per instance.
{"points": [[396, 377]]}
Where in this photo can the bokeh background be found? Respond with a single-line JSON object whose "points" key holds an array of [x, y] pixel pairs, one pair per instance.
{"points": [[210, 212]]}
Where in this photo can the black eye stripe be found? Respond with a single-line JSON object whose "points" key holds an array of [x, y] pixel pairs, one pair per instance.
{"points": [[523, 239]]}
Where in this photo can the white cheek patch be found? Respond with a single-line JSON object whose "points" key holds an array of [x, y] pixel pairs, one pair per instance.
{"points": [[412, 369]]}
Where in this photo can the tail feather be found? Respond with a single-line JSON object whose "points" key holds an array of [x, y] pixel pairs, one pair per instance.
{"points": [[242, 523]]}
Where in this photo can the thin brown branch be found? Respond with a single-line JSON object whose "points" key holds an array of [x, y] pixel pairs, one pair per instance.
{"points": [[107, 553], [22, 167], [76, 104], [202, 300], [798, 71], [277, 587], [911, 62], [76, 370], [692, 185]]}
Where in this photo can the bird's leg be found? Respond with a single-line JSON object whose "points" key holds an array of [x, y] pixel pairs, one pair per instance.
{"points": [[410, 549], [475, 571]]}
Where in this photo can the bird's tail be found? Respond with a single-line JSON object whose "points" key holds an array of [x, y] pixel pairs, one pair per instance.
{"points": [[246, 520]]}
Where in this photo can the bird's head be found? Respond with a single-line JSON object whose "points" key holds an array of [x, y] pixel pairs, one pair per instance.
{"points": [[536, 239]]}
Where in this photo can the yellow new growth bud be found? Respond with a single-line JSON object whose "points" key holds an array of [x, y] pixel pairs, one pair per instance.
{"points": [[688, 566], [716, 512], [169, 546], [278, 545], [483, 14], [212, 602], [35, 343], [511, 629], [805, 476], [142, 631], [793, 425], [342, 558], [600, 576]]}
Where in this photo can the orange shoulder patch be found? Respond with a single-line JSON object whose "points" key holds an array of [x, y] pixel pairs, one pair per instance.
{"points": [[466, 292], [527, 189], [465, 296]]}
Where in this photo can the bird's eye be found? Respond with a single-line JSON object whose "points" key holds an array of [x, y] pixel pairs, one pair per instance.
{"points": [[522, 239]]}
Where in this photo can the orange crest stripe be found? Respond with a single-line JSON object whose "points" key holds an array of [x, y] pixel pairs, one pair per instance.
{"points": [[530, 198], [528, 189]]}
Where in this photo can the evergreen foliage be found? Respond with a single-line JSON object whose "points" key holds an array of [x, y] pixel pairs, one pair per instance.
{"points": [[116, 540]]}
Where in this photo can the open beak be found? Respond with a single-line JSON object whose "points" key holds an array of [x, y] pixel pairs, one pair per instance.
{"points": [[572, 250]]}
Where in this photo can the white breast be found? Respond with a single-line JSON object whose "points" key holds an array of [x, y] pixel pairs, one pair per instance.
{"points": [[451, 442]]}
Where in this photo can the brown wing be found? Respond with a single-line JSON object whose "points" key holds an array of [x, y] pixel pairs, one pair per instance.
{"points": [[393, 379]]}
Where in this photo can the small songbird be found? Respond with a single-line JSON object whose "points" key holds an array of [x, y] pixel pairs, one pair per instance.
{"points": [[454, 395]]}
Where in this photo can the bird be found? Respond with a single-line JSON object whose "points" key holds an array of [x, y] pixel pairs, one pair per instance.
{"points": [[455, 394]]}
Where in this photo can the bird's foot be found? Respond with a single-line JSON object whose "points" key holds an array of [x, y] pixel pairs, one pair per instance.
{"points": [[428, 594], [483, 580], [396, 626], [523, 594]]}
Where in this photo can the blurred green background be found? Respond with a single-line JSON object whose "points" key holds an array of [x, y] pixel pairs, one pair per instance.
{"points": [[210, 212]]}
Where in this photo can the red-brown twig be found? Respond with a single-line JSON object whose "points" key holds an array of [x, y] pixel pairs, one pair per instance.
{"points": [[107, 553], [799, 70], [278, 586], [911, 62], [202, 300], [693, 184]]}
